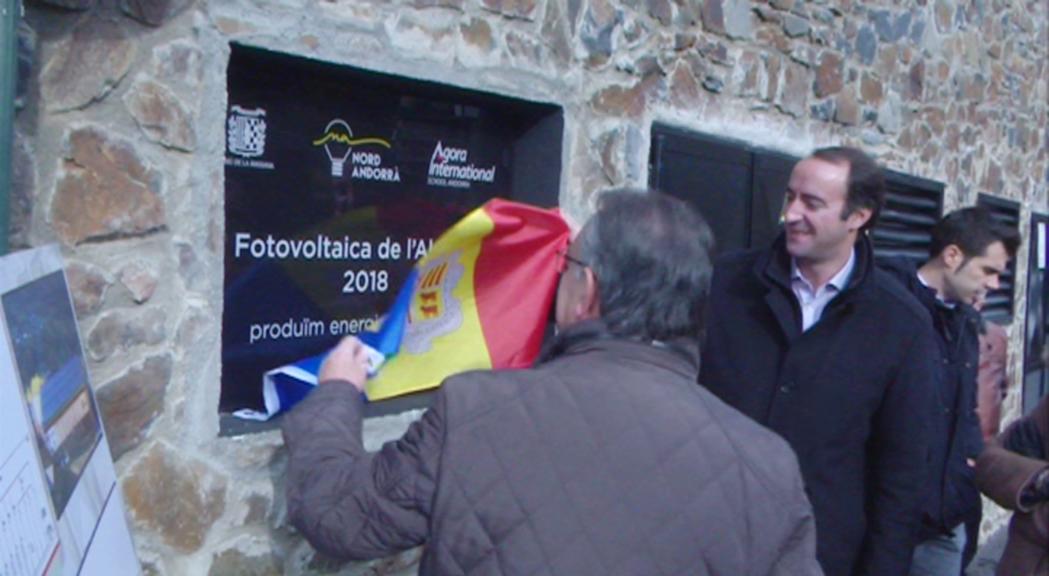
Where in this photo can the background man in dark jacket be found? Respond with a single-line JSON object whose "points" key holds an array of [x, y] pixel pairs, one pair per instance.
{"points": [[604, 459], [969, 251], [810, 339]]}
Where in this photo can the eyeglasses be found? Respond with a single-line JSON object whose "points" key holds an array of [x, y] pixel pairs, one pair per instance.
{"points": [[565, 259]]}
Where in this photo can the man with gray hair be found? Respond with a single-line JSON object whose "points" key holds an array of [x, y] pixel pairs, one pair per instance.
{"points": [[604, 458]]}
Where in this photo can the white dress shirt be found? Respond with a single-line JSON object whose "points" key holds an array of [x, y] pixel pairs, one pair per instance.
{"points": [[813, 302]]}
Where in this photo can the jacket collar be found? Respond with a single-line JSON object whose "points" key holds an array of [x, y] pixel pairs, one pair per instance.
{"points": [[906, 271], [774, 266], [681, 355], [773, 269]]}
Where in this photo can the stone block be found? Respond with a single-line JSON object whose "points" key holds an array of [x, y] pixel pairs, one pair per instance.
{"points": [[823, 111], [916, 80], [106, 190], [890, 114], [794, 96], [195, 326], [713, 16], [713, 83], [661, 10], [917, 33], [767, 14], [747, 75], [775, 38], [992, 178], [891, 27], [524, 49], [455, 4], [131, 403], [140, 280], [936, 120], [88, 287], [258, 509], [477, 33], [523, 9], [871, 89], [87, 65], [624, 101], [179, 63], [944, 11], [120, 331], [795, 26], [738, 19], [153, 12], [716, 52], [176, 496], [599, 22], [160, 114], [846, 109], [773, 72], [829, 74], [730, 18], [233, 562], [684, 88], [866, 45]]}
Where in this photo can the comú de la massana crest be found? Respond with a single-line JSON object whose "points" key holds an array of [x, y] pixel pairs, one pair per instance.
{"points": [[435, 311]]}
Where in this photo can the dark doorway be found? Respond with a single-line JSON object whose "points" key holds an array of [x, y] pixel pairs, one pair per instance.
{"points": [[1036, 369]]}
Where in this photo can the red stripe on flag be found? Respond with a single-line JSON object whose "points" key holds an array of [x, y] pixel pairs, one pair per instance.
{"points": [[515, 280]]}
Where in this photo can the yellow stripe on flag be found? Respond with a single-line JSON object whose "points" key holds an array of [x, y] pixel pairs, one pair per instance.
{"points": [[443, 336]]}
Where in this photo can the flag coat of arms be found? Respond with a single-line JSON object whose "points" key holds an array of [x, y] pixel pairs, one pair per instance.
{"points": [[479, 299]]}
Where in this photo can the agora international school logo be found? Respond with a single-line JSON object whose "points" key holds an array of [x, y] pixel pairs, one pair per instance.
{"points": [[341, 146]]}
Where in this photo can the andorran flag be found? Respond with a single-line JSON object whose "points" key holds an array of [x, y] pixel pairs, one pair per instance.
{"points": [[479, 299]]}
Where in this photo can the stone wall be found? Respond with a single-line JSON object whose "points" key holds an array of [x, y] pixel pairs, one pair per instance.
{"points": [[119, 157]]}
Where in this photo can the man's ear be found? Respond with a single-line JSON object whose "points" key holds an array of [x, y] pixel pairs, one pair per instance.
{"points": [[591, 296], [952, 257], [858, 218]]}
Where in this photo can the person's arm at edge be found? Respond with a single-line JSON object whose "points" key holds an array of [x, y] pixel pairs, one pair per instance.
{"points": [[346, 502]]}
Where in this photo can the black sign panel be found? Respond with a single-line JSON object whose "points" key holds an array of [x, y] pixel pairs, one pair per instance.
{"points": [[337, 180]]}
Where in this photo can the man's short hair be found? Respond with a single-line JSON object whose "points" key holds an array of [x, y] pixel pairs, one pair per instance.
{"points": [[651, 255], [972, 230], [866, 184]]}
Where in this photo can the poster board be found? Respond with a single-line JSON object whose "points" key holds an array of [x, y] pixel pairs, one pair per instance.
{"points": [[61, 509], [337, 180]]}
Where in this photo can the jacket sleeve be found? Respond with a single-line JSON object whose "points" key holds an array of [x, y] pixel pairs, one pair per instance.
{"points": [[898, 453], [797, 555], [990, 379], [1012, 461], [349, 503], [1002, 475]]}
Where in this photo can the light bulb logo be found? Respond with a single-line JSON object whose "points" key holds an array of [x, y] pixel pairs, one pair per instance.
{"points": [[338, 142]]}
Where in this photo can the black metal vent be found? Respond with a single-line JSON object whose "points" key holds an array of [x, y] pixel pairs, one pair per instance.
{"points": [[739, 190], [912, 207], [1000, 303]]}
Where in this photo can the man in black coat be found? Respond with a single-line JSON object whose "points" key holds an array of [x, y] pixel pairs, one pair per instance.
{"points": [[812, 340], [969, 252]]}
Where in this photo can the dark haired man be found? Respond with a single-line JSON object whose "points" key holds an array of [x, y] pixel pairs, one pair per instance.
{"points": [[812, 340], [603, 459], [968, 254]]}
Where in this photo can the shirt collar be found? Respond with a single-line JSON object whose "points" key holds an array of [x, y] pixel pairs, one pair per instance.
{"points": [[837, 282], [940, 299]]}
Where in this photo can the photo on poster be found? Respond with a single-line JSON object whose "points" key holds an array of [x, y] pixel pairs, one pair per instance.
{"points": [[45, 343]]}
